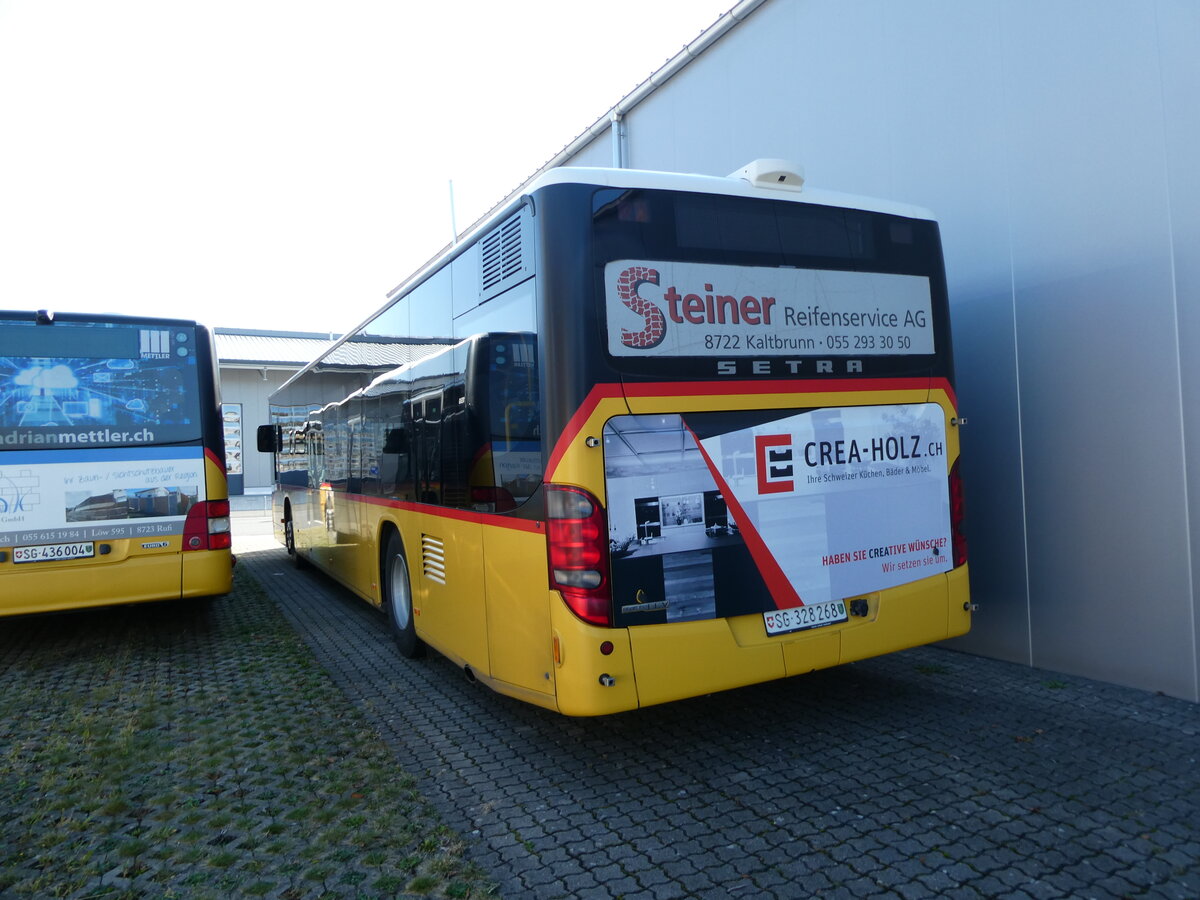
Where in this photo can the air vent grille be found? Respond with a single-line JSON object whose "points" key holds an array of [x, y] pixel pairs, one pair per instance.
{"points": [[501, 256], [433, 558]]}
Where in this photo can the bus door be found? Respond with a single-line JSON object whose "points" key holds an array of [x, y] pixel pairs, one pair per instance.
{"points": [[327, 470], [349, 520], [506, 474], [446, 557], [308, 507]]}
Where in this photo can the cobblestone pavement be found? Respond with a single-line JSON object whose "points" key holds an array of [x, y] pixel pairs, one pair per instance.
{"points": [[927, 773], [198, 751]]}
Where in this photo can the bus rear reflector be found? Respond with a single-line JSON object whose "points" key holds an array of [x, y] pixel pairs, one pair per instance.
{"points": [[577, 550], [207, 526], [958, 517]]}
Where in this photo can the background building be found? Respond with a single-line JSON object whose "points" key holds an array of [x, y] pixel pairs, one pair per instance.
{"points": [[1056, 143], [254, 364]]}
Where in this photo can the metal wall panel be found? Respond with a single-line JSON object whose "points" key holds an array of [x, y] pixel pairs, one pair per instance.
{"points": [[1107, 522], [1179, 75], [597, 153]]}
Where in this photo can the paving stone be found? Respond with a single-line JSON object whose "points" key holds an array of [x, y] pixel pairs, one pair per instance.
{"points": [[976, 781]]}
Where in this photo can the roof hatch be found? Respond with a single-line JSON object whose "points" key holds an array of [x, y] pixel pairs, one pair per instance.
{"points": [[777, 174]]}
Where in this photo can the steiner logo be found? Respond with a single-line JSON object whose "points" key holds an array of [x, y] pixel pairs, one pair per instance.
{"points": [[773, 460], [655, 328], [711, 308]]}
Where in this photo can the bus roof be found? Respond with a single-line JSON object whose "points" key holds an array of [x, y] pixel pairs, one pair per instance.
{"points": [[731, 185], [49, 317], [736, 184]]}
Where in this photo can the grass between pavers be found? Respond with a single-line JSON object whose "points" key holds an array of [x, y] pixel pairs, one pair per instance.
{"points": [[198, 750]]}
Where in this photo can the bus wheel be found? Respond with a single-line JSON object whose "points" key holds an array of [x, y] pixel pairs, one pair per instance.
{"points": [[289, 540], [397, 599]]}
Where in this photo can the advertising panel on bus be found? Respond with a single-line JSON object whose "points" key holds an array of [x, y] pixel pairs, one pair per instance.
{"points": [[721, 514], [690, 310]]}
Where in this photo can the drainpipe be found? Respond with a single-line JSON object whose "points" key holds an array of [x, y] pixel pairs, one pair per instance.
{"points": [[617, 129]]}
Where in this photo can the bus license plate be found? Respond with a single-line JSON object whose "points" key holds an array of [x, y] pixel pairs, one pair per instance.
{"points": [[813, 615], [54, 552]]}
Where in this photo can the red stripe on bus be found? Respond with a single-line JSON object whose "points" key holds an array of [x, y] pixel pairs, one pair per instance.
{"points": [[442, 512], [782, 591], [582, 414], [215, 460]]}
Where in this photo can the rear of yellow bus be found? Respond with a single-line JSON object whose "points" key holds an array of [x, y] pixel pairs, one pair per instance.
{"points": [[112, 475], [758, 475]]}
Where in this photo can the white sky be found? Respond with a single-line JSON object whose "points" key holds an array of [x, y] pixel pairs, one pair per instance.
{"points": [[282, 164]]}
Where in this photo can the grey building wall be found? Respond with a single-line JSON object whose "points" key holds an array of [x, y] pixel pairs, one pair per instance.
{"points": [[251, 388], [1056, 143]]}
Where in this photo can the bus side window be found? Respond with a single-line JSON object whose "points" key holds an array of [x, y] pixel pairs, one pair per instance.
{"points": [[458, 446], [514, 417], [356, 474], [395, 453], [429, 462], [314, 446], [336, 432], [396, 441], [394, 463]]}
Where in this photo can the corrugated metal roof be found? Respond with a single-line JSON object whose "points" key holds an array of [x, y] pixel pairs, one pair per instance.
{"points": [[242, 347], [369, 354], [236, 346]]}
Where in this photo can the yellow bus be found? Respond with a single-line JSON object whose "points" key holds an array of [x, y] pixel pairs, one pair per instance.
{"points": [[112, 472], [644, 436]]}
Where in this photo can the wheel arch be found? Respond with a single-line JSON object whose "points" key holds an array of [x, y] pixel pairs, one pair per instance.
{"points": [[387, 527]]}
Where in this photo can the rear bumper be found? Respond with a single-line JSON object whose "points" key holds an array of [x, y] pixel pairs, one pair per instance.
{"points": [[653, 664], [112, 579]]}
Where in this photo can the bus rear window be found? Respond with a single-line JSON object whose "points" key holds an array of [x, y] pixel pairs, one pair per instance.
{"points": [[98, 385], [763, 232], [696, 285], [706, 222]]}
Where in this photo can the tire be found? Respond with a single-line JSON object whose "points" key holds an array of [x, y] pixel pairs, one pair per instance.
{"points": [[289, 541], [397, 598]]}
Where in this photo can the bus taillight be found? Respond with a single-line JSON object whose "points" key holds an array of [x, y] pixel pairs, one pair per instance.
{"points": [[577, 543], [958, 517], [207, 526]]}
